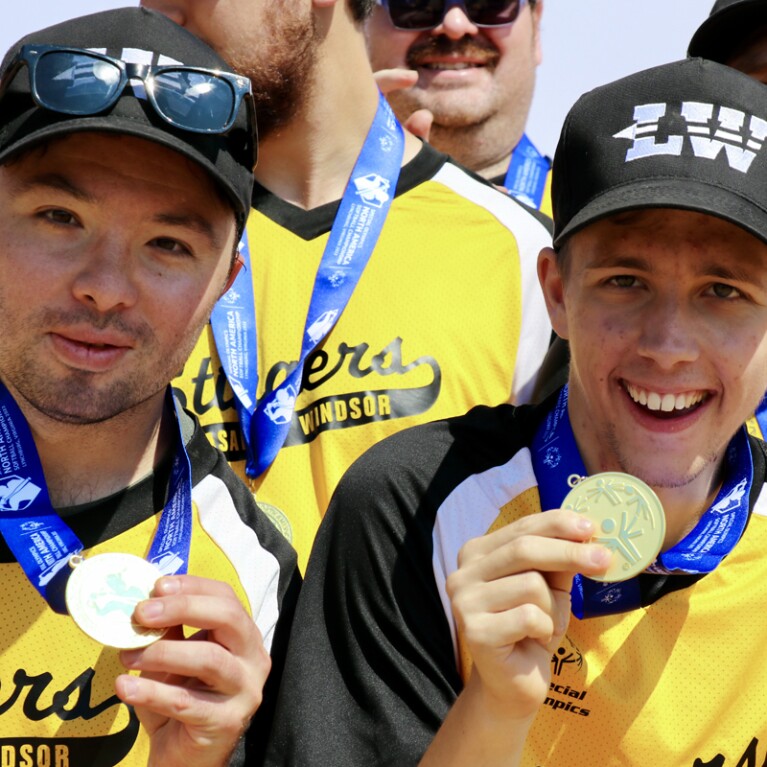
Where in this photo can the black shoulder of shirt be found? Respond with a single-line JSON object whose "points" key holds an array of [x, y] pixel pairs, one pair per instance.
{"points": [[427, 462], [310, 224]]}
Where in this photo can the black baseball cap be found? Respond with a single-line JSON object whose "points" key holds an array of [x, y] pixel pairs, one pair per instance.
{"points": [[726, 27], [229, 158], [688, 135]]}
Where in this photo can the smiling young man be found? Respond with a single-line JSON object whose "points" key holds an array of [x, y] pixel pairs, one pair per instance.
{"points": [[471, 65], [387, 278], [126, 156], [438, 629]]}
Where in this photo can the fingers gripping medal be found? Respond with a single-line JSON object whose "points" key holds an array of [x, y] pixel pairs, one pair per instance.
{"points": [[102, 593], [628, 518]]}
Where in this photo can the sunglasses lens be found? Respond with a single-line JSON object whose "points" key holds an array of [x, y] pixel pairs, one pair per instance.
{"points": [[492, 13], [416, 14], [194, 100], [427, 14], [75, 83]]}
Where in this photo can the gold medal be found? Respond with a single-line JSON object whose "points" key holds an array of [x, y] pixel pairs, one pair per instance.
{"points": [[102, 593], [628, 517]]}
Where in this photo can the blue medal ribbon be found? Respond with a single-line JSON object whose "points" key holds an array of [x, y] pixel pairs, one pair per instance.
{"points": [[761, 418], [555, 458], [41, 540], [358, 223], [527, 173]]}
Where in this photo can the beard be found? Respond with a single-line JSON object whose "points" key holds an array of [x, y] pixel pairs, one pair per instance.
{"points": [[79, 396], [281, 70]]}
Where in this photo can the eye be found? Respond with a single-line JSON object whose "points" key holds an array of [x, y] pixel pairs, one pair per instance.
{"points": [[59, 216], [623, 281], [169, 245], [724, 291]]}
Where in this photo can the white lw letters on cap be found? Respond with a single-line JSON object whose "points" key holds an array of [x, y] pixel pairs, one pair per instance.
{"points": [[739, 135]]}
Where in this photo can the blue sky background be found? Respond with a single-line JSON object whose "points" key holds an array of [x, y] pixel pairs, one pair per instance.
{"points": [[586, 43]]}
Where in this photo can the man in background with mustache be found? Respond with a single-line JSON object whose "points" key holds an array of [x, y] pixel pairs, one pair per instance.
{"points": [[467, 85]]}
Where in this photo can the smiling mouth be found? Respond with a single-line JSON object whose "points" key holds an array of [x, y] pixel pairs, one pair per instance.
{"points": [[666, 405]]}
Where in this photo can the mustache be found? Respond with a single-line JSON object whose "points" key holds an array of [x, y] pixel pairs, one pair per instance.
{"points": [[84, 316], [475, 47]]}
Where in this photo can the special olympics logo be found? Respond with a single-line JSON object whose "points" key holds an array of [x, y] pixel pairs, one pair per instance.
{"points": [[552, 457]]}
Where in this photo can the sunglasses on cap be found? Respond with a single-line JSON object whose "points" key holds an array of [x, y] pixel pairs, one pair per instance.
{"points": [[420, 15], [75, 81]]}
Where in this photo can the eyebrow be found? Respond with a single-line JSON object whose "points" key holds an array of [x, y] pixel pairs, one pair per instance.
{"points": [[191, 221], [714, 270], [608, 261], [736, 274], [61, 183], [54, 181]]}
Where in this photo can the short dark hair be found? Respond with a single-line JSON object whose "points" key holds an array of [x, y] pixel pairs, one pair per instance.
{"points": [[361, 9]]}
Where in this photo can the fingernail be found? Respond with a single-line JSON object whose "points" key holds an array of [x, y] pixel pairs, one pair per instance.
{"points": [[600, 556], [130, 687], [151, 608], [585, 524], [168, 586]]}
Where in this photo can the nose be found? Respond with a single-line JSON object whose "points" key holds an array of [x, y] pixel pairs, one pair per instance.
{"points": [[455, 23], [104, 279], [669, 335], [173, 10]]}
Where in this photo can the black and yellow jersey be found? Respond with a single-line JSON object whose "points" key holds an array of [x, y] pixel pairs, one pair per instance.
{"points": [[448, 314], [57, 701], [677, 680]]}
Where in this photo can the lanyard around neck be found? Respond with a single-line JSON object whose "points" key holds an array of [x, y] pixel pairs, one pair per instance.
{"points": [[527, 173], [555, 457], [42, 542], [358, 223]]}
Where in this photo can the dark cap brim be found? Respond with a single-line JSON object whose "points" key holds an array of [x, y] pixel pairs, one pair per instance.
{"points": [[685, 194], [719, 36]]}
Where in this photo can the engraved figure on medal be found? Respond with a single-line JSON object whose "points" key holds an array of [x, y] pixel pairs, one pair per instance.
{"points": [[628, 517], [102, 593]]}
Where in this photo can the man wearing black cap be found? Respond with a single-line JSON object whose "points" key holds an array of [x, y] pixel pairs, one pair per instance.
{"points": [[735, 33], [436, 628], [126, 156]]}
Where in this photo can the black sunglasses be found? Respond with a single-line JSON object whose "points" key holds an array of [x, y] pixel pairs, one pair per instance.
{"points": [[420, 15], [75, 81]]}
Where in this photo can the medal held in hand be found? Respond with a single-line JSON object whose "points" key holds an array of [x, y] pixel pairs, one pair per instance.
{"points": [[628, 517], [102, 593]]}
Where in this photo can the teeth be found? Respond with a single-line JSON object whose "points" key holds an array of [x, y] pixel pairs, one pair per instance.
{"points": [[664, 402], [457, 65]]}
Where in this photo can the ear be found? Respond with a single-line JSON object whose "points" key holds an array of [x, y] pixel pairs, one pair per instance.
{"points": [[553, 286], [233, 272]]}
